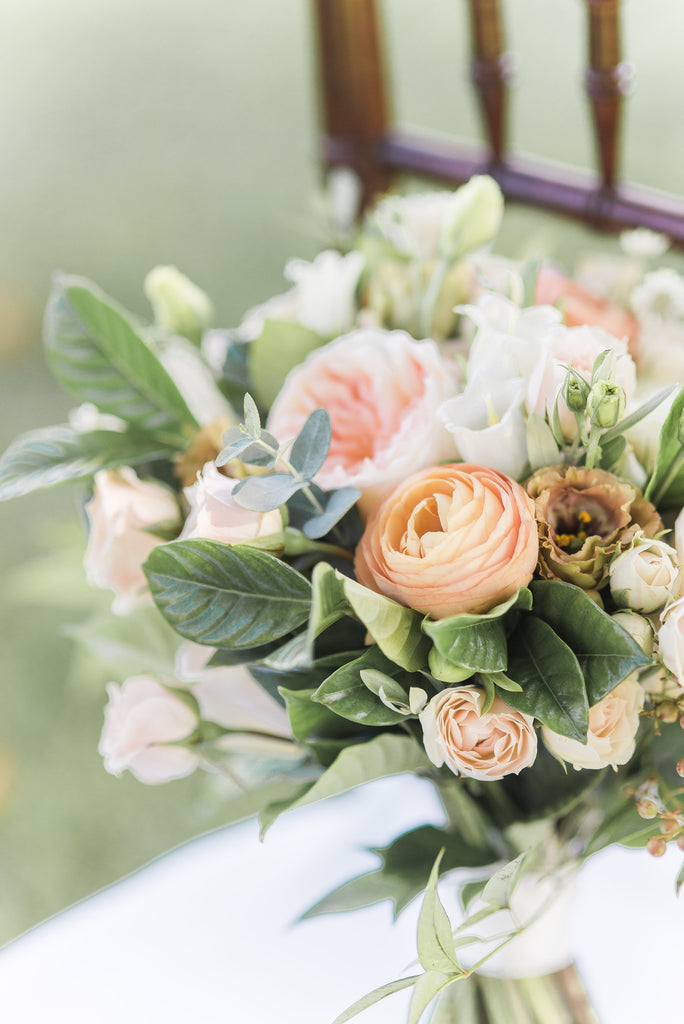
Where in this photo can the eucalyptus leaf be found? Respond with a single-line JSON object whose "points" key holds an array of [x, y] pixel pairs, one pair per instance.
{"points": [[266, 493], [337, 505], [279, 348], [251, 417], [226, 596], [606, 653], [395, 629], [312, 444], [56, 455], [553, 689], [98, 355]]}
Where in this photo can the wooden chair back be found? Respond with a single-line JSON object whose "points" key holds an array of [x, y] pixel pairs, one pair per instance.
{"points": [[358, 131]]}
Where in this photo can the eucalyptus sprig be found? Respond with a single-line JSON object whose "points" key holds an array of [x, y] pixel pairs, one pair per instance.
{"points": [[286, 474]]}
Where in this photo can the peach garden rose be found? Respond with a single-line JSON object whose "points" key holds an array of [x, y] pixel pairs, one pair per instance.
{"points": [[381, 390], [485, 747], [450, 539]]}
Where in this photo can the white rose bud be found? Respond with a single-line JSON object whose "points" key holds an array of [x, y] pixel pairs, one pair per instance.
{"points": [[143, 722], [178, 304], [215, 515], [646, 576], [639, 629], [613, 725], [671, 640], [123, 508]]}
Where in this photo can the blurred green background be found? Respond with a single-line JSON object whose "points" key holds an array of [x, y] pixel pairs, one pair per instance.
{"points": [[137, 133]]}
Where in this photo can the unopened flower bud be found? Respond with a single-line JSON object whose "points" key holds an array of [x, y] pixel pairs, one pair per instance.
{"points": [[472, 218], [667, 712], [605, 403], [647, 809], [575, 392], [656, 847], [680, 768], [179, 305], [638, 627]]}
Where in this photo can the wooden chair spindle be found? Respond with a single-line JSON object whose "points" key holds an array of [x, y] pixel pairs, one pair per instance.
{"points": [[490, 70]]}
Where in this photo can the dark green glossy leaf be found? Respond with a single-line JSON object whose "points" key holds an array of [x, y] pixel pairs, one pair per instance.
{"points": [[476, 642], [546, 789], [55, 455], [98, 356], [311, 721], [606, 653], [666, 486], [395, 629], [345, 692], [552, 683], [226, 596]]}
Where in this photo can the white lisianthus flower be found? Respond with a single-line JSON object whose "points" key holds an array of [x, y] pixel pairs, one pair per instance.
{"points": [[215, 515], [671, 639], [323, 299], [646, 576], [613, 725], [121, 512], [486, 747], [143, 723], [229, 696]]}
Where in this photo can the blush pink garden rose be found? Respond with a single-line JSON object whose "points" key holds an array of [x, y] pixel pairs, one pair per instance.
{"points": [[215, 515], [580, 306], [122, 509], [143, 721], [613, 725], [381, 390], [450, 539], [486, 747]]}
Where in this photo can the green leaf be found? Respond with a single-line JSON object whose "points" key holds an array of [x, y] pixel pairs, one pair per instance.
{"points": [[624, 826], [312, 444], [251, 417], [56, 455], [639, 414], [280, 347], [328, 601], [547, 789], [310, 721], [436, 950], [444, 670], [226, 596], [607, 654], [500, 887], [666, 486], [612, 451], [345, 692], [679, 882], [375, 996], [98, 356], [380, 682], [458, 1005], [475, 642], [128, 645], [542, 449], [552, 683], [395, 629], [386, 754], [501, 681], [425, 990]]}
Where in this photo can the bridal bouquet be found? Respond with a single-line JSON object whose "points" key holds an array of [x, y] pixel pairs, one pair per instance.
{"points": [[420, 513]]}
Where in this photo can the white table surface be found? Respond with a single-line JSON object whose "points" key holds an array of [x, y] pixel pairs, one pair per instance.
{"points": [[206, 933]]}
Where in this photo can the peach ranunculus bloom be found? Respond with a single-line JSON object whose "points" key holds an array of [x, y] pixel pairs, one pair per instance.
{"points": [[450, 539], [381, 390], [580, 306], [143, 722], [120, 513], [613, 725], [486, 747], [215, 515]]}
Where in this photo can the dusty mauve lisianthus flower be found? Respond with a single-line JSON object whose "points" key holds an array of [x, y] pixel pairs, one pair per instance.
{"points": [[143, 721], [584, 516], [122, 509], [486, 747], [215, 515], [450, 539], [381, 390], [613, 725]]}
